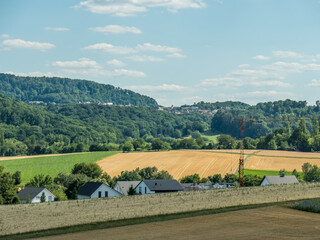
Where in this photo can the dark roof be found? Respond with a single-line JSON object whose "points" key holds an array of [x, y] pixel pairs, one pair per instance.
{"points": [[163, 185], [278, 180], [89, 188], [29, 191]]}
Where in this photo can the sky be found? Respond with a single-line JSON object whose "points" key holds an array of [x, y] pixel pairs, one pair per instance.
{"points": [[176, 51]]}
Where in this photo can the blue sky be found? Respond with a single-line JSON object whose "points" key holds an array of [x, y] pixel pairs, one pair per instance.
{"points": [[176, 51]]}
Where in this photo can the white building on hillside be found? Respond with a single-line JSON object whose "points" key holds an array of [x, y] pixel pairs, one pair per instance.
{"points": [[96, 190], [279, 180], [33, 194]]}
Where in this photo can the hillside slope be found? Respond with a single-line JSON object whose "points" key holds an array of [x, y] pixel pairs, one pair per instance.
{"points": [[64, 90]]}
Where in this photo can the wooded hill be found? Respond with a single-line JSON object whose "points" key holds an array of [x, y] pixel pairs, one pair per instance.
{"points": [[65, 90], [52, 128], [222, 120]]}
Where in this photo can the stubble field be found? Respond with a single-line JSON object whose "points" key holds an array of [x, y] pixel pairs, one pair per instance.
{"points": [[208, 162], [177, 163]]}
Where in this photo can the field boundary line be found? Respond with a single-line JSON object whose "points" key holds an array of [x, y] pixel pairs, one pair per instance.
{"points": [[246, 159]]}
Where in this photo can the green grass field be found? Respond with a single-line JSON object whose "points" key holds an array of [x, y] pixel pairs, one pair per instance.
{"points": [[51, 165], [213, 138], [262, 173]]}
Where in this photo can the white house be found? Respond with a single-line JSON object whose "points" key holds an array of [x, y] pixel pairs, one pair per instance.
{"points": [[34, 194], [278, 180], [158, 186], [96, 190], [123, 186]]}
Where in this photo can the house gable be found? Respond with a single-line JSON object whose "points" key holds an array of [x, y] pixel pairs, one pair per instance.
{"points": [[123, 186], [99, 190]]}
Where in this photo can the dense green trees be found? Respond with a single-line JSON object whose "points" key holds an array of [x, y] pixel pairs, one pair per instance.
{"points": [[8, 187], [92, 170], [40, 180], [64, 90]]}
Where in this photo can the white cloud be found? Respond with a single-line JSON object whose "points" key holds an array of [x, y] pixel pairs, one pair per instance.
{"points": [[157, 48], [109, 48], [261, 57], [116, 63], [287, 54], [57, 29], [268, 94], [116, 29], [243, 65], [4, 36], [164, 87], [35, 74], [85, 67], [144, 58], [176, 55], [125, 8], [82, 63], [314, 83], [129, 73], [19, 43]]}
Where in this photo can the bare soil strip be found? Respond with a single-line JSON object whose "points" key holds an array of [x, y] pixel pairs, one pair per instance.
{"points": [[262, 223], [37, 156]]}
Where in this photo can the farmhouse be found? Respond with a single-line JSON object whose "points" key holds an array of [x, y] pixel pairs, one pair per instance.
{"points": [[123, 186], [96, 190], [158, 186], [278, 180], [33, 194]]}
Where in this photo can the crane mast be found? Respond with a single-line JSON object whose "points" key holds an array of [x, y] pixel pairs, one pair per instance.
{"points": [[242, 125]]}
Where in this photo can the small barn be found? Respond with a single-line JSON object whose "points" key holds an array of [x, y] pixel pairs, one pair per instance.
{"points": [[96, 190], [33, 194], [123, 186], [158, 186], [278, 180]]}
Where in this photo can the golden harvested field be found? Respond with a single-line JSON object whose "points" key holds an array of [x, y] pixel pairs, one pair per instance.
{"points": [[276, 163], [207, 162], [263, 223], [279, 153], [34, 217], [177, 163]]}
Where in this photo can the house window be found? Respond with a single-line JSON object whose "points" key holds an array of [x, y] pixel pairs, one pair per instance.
{"points": [[145, 190], [49, 198], [140, 190], [106, 193], [99, 194]]}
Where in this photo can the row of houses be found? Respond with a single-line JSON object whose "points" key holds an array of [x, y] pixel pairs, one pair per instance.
{"points": [[100, 190]]}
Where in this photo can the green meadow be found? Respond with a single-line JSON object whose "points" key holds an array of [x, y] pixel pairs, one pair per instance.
{"points": [[263, 172], [51, 165]]}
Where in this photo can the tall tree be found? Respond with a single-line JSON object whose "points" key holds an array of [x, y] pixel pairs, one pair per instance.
{"points": [[315, 127]]}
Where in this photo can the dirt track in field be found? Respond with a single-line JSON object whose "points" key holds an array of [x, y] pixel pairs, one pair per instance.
{"points": [[36, 156], [263, 223], [177, 163]]}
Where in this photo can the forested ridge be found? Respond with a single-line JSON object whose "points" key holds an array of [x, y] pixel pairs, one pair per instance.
{"points": [[59, 128], [223, 119], [64, 90], [54, 128]]}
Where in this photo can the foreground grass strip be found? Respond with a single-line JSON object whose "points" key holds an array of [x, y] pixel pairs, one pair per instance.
{"points": [[51, 165], [134, 221]]}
